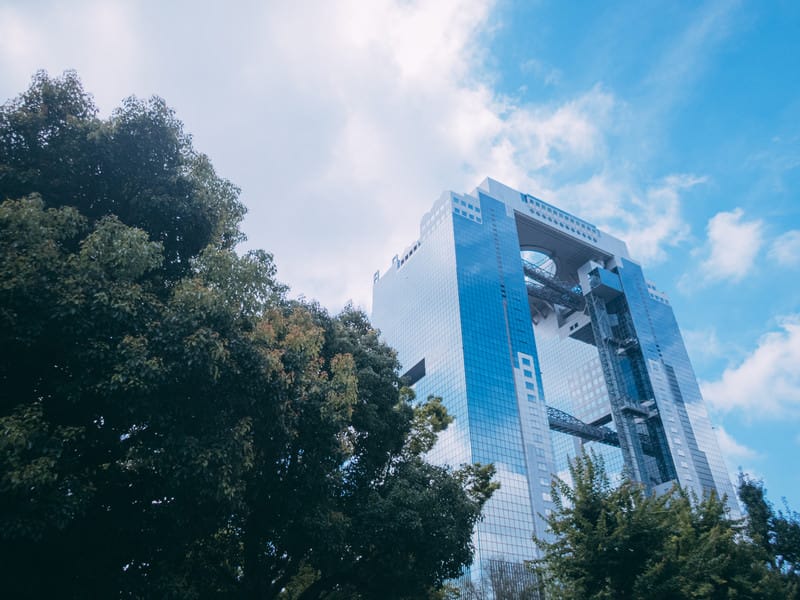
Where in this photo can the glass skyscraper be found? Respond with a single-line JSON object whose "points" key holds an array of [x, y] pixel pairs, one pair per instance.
{"points": [[542, 336]]}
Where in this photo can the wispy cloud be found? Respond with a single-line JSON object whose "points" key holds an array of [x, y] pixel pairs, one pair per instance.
{"points": [[766, 384], [656, 221], [732, 450], [688, 57], [786, 249], [732, 246], [703, 345], [738, 457], [412, 114], [404, 111], [648, 218], [342, 129], [773, 162], [547, 73]]}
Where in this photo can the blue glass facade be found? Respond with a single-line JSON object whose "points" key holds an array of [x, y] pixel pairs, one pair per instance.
{"points": [[690, 436], [465, 313], [534, 364]]}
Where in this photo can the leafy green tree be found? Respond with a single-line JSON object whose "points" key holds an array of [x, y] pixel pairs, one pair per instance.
{"points": [[776, 534], [173, 426], [621, 542], [122, 413], [138, 165]]}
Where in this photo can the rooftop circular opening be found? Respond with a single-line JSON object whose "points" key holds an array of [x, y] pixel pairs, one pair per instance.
{"points": [[540, 260]]}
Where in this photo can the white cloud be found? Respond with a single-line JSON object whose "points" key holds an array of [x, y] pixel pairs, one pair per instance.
{"points": [[656, 221], [766, 384], [100, 38], [405, 113], [648, 218], [737, 456], [343, 122], [733, 450], [703, 345], [20, 44], [732, 246], [547, 73], [786, 249]]}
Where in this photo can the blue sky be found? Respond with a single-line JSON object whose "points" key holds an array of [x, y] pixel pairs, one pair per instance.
{"points": [[674, 125]]}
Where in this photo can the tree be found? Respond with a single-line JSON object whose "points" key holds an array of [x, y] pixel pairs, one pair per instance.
{"points": [[376, 519], [139, 165], [621, 542], [776, 534], [172, 425]]}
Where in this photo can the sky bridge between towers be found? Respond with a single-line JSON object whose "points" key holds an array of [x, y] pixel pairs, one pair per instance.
{"points": [[566, 423]]}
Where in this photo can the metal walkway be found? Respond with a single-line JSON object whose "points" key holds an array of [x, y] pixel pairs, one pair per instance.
{"points": [[551, 289], [566, 423]]}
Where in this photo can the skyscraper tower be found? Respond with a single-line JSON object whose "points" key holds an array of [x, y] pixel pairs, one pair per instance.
{"points": [[542, 336]]}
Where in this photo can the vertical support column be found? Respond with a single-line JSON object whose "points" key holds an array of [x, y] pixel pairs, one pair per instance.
{"points": [[622, 409]]}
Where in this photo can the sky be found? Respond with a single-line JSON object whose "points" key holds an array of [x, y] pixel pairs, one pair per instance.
{"points": [[673, 125]]}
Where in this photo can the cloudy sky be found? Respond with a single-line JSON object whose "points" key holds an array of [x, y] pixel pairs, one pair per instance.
{"points": [[674, 125]]}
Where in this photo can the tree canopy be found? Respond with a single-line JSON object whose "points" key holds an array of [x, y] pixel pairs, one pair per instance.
{"points": [[172, 424], [621, 542], [775, 533], [138, 165]]}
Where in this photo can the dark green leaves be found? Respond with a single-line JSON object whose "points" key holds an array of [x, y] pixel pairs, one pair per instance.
{"points": [[775, 533], [171, 426], [621, 542], [138, 165]]}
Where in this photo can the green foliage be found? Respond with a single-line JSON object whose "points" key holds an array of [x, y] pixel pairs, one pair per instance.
{"points": [[171, 425], [776, 534], [138, 165], [621, 542], [121, 413], [429, 420]]}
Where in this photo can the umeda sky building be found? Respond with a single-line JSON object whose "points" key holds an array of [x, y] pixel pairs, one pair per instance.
{"points": [[543, 337]]}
